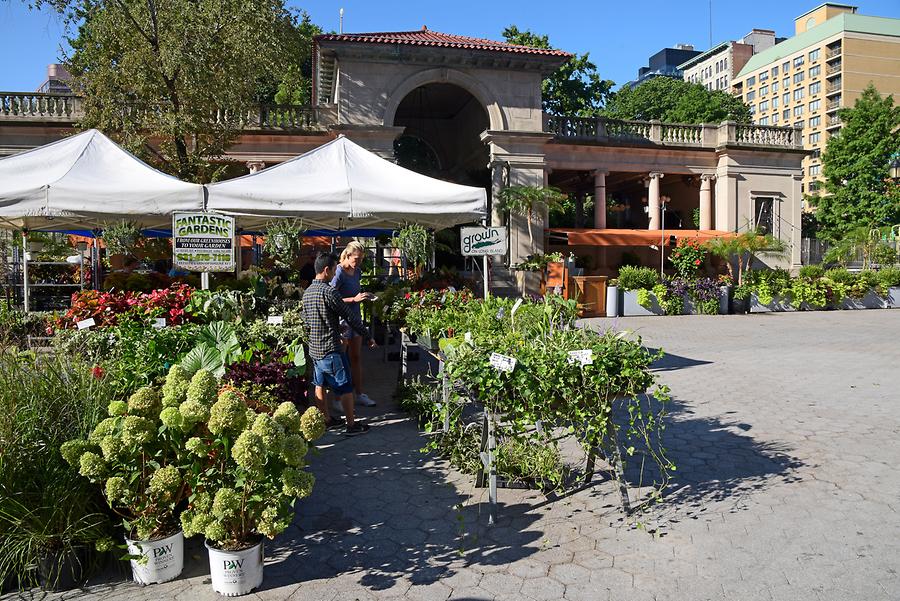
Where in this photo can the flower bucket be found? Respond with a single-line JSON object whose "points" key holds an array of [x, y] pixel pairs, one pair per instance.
{"points": [[165, 559], [236, 573]]}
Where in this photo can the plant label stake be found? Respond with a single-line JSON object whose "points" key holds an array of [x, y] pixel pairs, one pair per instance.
{"points": [[515, 308], [467, 337], [86, 324], [502, 362], [500, 313], [451, 288], [443, 298], [584, 357], [159, 323], [275, 320]]}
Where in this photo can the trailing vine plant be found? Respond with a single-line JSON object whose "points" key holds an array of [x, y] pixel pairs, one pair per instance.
{"points": [[284, 241], [121, 238]]}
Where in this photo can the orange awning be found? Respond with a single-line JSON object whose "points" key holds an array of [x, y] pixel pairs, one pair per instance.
{"points": [[614, 237]]}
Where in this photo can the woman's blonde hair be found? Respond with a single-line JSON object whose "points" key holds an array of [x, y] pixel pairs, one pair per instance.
{"points": [[352, 248]]}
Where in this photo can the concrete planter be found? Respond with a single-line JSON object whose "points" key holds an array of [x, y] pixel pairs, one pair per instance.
{"points": [[777, 305], [870, 301], [894, 297], [631, 307], [724, 300]]}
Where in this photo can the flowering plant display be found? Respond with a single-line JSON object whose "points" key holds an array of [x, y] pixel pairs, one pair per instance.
{"points": [[246, 468], [688, 257], [107, 308]]}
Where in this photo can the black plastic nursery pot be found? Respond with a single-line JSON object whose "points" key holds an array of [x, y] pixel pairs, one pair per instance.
{"points": [[63, 570]]}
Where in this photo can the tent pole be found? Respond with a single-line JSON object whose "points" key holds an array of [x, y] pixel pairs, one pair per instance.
{"points": [[204, 280], [484, 259], [26, 300]]}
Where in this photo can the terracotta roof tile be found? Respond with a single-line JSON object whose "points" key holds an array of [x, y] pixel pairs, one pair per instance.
{"points": [[426, 37]]}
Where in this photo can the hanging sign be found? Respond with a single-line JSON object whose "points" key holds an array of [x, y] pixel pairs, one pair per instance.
{"points": [[483, 241], [203, 241]]}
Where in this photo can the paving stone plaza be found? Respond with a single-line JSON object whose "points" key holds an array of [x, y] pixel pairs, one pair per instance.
{"points": [[784, 429]]}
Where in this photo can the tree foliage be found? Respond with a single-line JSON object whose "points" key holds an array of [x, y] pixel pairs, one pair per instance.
{"points": [[858, 188], [676, 101], [575, 88], [172, 79]]}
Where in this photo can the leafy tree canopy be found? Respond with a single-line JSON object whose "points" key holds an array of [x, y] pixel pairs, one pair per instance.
{"points": [[675, 101], [858, 188], [575, 88], [183, 74]]}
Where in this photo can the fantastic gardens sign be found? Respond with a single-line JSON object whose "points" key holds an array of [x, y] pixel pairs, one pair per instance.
{"points": [[203, 241]]}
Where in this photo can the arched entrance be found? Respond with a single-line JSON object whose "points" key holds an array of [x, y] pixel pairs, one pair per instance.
{"points": [[443, 123]]}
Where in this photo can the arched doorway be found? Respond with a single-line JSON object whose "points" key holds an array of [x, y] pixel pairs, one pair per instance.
{"points": [[443, 123]]}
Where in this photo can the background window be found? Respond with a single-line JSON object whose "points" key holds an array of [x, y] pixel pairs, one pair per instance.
{"points": [[786, 82], [786, 98], [798, 77], [798, 94], [784, 67], [814, 55], [764, 121], [763, 217], [786, 114], [814, 105], [814, 71], [763, 106], [751, 95], [764, 90], [815, 88], [798, 110], [815, 121], [775, 71], [764, 76], [774, 86], [814, 138], [798, 61], [751, 81]]}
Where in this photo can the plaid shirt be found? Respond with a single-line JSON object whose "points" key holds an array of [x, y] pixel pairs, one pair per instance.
{"points": [[323, 308]]}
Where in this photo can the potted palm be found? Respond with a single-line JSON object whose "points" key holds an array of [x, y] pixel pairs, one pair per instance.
{"points": [[135, 455], [246, 472]]}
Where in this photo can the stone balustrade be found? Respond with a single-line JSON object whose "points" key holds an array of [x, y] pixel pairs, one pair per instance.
{"points": [[601, 130], [35, 106]]}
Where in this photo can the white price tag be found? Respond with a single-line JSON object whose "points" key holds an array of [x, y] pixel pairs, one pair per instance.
{"points": [[84, 324], [515, 308], [584, 357], [468, 337], [502, 362], [500, 313], [159, 323], [275, 320], [451, 288], [421, 301], [443, 298]]}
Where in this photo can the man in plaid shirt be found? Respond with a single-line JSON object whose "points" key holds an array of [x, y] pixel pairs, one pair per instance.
{"points": [[323, 308]]}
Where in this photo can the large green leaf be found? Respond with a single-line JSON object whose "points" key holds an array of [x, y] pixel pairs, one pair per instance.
{"points": [[204, 356]]}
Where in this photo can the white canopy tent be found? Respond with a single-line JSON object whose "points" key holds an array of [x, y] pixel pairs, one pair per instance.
{"points": [[84, 181], [341, 185]]}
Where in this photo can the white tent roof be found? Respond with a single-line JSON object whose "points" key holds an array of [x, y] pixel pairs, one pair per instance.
{"points": [[343, 185], [85, 181]]}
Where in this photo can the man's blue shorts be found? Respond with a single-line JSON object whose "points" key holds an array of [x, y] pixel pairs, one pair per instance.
{"points": [[333, 372]]}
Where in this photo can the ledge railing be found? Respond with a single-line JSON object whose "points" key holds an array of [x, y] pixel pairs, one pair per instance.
{"points": [[600, 130], [37, 106]]}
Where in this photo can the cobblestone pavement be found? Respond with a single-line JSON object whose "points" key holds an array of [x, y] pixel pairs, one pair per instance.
{"points": [[786, 434]]}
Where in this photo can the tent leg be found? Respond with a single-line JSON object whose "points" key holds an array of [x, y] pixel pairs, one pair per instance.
{"points": [[26, 297], [204, 280]]}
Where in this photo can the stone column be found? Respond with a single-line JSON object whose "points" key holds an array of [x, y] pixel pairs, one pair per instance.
{"points": [[600, 199], [653, 201], [255, 166], [498, 169], [706, 201]]}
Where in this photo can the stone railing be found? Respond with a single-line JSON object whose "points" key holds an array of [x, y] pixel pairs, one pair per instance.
{"points": [[600, 130], [35, 106]]}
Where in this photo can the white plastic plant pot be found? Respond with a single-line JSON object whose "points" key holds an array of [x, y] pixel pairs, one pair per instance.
{"points": [[612, 301], [236, 573], [164, 559]]}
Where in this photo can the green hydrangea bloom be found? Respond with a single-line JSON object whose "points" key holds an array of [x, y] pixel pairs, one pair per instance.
{"points": [[171, 418], [271, 524], [202, 388], [105, 544], [111, 447], [294, 449], [72, 451], [312, 424], [193, 413], [195, 522], [270, 431], [104, 428], [286, 415], [228, 414], [91, 465], [297, 483], [196, 446], [174, 391], [137, 430], [117, 408], [215, 531], [116, 490], [164, 482], [145, 402], [248, 451], [202, 502], [251, 415], [226, 504]]}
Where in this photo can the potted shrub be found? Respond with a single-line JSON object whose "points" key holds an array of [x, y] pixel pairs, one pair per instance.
{"points": [[636, 285], [889, 285], [246, 472], [135, 455]]}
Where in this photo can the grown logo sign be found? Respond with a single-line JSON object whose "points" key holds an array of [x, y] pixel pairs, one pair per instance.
{"points": [[483, 241], [203, 241]]}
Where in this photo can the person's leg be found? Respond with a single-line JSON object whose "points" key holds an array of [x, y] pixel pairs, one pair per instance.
{"points": [[322, 402], [347, 403], [355, 354]]}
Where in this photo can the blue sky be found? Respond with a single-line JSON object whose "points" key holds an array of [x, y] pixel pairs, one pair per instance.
{"points": [[620, 36]]}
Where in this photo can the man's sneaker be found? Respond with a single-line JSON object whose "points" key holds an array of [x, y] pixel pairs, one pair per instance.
{"points": [[356, 429], [364, 400], [334, 422]]}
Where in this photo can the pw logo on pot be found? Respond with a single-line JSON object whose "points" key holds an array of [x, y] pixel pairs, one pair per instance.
{"points": [[233, 564], [162, 551]]}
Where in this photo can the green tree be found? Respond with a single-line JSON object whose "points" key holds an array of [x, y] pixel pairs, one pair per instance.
{"points": [[858, 188], [675, 101], [575, 88], [184, 74]]}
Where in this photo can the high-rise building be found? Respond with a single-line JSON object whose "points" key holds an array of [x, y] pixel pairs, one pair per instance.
{"points": [[665, 64], [58, 80], [804, 80], [716, 67]]}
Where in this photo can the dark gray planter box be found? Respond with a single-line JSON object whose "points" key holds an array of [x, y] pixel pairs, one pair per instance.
{"points": [[870, 301], [777, 305], [894, 297], [631, 308]]}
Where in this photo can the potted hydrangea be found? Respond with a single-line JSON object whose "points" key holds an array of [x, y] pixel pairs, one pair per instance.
{"points": [[135, 455], [245, 474]]}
